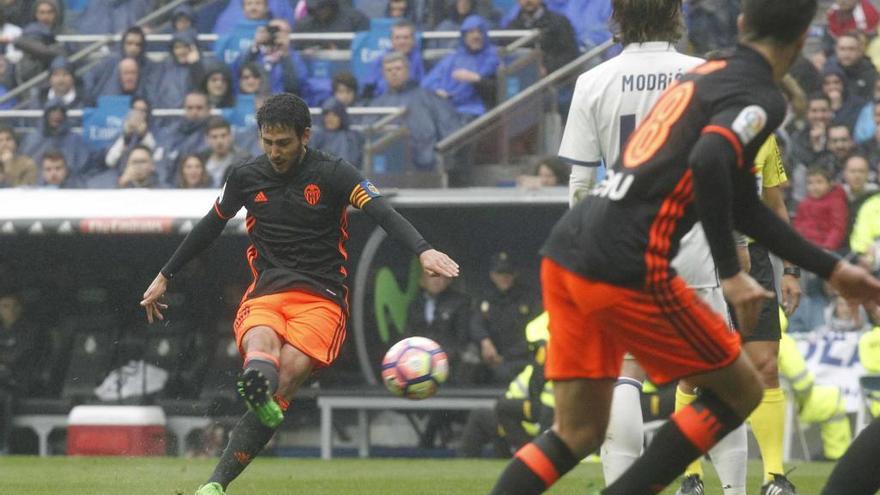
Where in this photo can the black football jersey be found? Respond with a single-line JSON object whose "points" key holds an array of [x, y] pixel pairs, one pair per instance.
{"points": [[629, 227], [297, 221]]}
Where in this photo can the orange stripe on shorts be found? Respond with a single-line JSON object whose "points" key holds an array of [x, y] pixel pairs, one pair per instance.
{"points": [[538, 462], [262, 356]]}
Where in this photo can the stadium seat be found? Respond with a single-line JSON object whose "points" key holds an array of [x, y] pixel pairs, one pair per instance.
{"points": [[91, 356]]}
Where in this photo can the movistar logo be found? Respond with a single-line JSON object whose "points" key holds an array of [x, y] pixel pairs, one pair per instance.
{"points": [[391, 302]]}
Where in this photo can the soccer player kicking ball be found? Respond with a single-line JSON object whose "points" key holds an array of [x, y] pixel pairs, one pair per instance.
{"points": [[292, 317], [607, 281]]}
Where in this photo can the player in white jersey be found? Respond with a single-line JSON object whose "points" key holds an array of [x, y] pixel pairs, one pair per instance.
{"points": [[609, 101]]}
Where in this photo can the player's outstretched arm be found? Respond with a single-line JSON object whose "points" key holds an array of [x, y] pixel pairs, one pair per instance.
{"points": [[202, 235], [434, 262]]}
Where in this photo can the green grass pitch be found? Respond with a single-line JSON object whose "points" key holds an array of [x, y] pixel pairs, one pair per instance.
{"points": [[273, 476]]}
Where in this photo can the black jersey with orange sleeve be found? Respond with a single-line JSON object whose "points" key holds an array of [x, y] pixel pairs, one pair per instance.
{"points": [[629, 227], [297, 223]]}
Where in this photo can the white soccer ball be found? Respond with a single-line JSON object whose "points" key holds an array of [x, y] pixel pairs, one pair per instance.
{"points": [[414, 368]]}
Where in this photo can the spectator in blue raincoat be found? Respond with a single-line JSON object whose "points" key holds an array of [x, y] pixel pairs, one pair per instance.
{"points": [[54, 133], [111, 16], [467, 77], [182, 71], [238, 38], [238, 10], [334, 135]]}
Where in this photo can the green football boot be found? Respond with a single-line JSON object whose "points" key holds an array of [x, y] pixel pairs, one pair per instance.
{"points": [[211, 489], [254, 389]]}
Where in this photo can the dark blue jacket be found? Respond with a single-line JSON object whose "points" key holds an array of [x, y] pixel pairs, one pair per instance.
{"points": [[61, 138], [177, 79], [345, 143]]}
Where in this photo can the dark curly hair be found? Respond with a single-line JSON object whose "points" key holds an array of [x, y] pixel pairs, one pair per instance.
{"points": [[781, 22], [640, 21], [286, 111]]}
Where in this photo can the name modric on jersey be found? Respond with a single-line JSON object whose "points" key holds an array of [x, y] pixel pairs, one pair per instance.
{"points": [[648, 82]]}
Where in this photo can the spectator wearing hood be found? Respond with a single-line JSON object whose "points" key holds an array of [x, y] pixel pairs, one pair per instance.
{"points": [[54, 132], [329, 16], [135, 131], [558, 43], [334, 135], [37, 41], [218, 85], [62, 86], [240, 35], [429, 118], [182, 71], [849, 58], [403, 40], [467, 77], [104, 78], [183, 19], [111, 16], [846, 106], [9, 32], [182, 136], [284, 69], [229, 20]]}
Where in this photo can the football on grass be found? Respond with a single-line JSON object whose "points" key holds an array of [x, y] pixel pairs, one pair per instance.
{"points": [[414, 368]]}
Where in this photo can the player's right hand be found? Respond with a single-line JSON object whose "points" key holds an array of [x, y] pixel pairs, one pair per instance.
{"points": [[747, 298], [856, 285], [151, 298]]}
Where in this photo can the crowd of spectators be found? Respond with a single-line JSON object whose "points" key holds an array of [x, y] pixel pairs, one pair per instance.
{"points": [[252, 57]]}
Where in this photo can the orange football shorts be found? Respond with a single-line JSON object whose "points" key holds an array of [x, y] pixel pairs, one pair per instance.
{"points": [[670, 330], [313, 324]]}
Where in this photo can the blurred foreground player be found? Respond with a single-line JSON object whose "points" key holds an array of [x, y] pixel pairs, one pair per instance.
{"points": [[607, 281], [608, 104], [292, 317], [856, 473]]}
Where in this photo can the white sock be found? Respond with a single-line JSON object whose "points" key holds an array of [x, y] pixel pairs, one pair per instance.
{"points": [[624, 436], [729, 457]]}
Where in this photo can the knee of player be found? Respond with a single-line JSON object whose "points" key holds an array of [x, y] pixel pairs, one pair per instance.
{"points": [[581, 438], [768, 369]]}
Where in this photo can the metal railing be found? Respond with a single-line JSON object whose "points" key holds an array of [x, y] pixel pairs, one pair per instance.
{"points": [[343, 36], [473, 130], [86, 51], [388, 115]]}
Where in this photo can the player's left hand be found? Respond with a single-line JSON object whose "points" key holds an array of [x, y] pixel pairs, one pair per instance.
{"points": [[856, 285], [151, 298], [436, 263], [791, 294]]}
